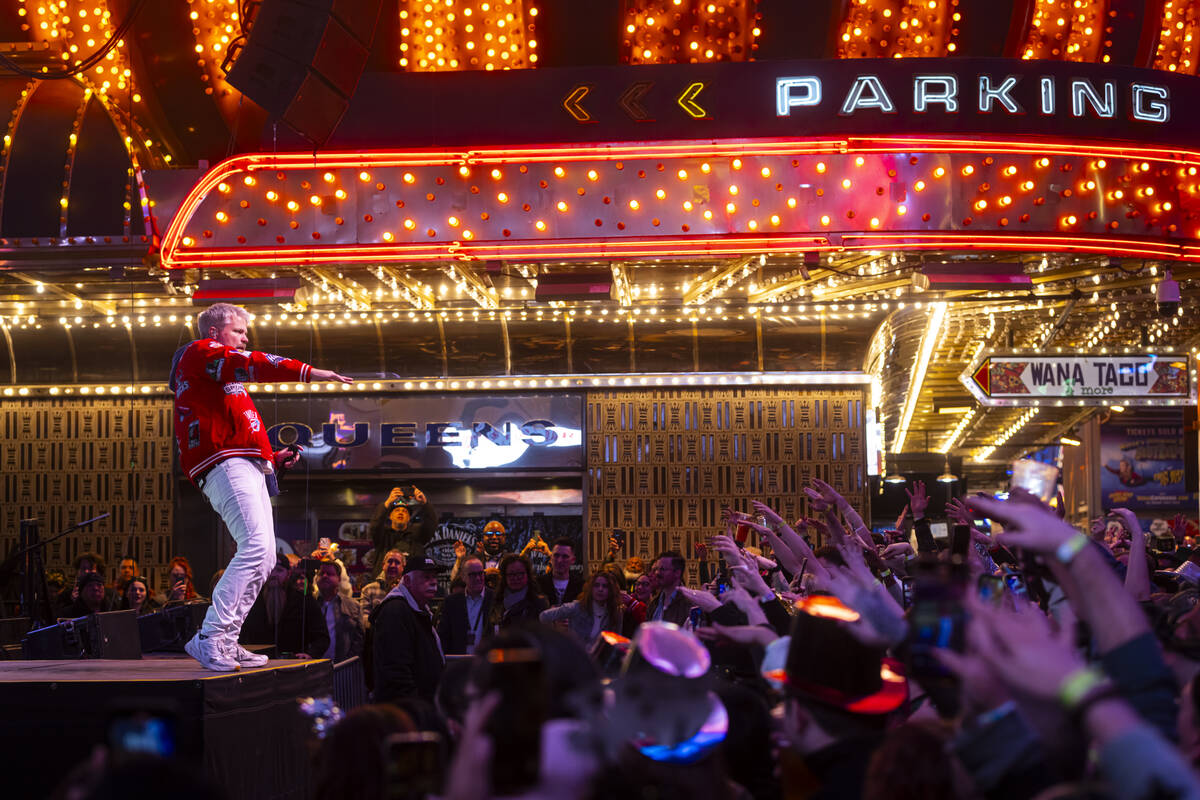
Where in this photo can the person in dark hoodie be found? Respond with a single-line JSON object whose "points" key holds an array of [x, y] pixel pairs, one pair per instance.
{"points": [[224, 450]]}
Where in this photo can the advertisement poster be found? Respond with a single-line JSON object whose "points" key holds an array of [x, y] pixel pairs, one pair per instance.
{"points": [[1142, 463]]}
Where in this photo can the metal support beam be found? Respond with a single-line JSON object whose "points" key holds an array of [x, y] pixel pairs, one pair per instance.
{"points": [[407, 288], [622, 289], [352, 294], [103, 306], [717, 280], [477, 288]]}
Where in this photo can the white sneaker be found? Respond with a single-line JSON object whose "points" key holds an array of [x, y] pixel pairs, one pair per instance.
{"points": [[210, 654], [247, 659]]}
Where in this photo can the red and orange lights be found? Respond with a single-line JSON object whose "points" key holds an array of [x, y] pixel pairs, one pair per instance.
{"points": [[1178, 48], [899, 29], [688, 31], [447, 35], [1068, 30], [671, 199]]}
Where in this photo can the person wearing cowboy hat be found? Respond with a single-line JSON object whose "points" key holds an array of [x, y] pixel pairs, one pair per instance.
{"points": [[839, 695]]}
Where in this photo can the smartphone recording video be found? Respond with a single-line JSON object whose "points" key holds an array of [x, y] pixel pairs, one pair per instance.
{"points": [[937, 621], [1040, 480], [515, 727], [413, 765]]}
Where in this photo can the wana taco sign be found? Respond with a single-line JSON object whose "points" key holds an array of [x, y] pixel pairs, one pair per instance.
{"points": [[1018, 379]]}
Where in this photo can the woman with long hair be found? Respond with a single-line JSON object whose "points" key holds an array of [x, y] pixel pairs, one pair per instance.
{"points": [[137, 596], [596, 610], [519, 597], [180, 583]]}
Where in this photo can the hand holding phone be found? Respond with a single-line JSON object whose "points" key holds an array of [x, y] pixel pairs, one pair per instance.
{"points": [[412, 765], [518, 676]]}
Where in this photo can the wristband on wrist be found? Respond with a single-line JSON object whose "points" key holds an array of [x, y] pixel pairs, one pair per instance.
{"points": [[1072, 547], [1083, 687]]}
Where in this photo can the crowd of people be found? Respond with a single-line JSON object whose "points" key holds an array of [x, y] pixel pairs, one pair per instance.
{"points": [[1016, 658], [89, 593]]}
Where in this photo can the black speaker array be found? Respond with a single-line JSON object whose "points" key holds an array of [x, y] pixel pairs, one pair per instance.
{"points": [[302, 59]]}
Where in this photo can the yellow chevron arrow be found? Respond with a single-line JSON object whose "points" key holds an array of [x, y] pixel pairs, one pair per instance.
{"points": [[571, 103], [687, 101]]}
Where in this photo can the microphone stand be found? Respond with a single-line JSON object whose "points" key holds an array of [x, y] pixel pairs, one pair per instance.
{"points": [[35, 594]]}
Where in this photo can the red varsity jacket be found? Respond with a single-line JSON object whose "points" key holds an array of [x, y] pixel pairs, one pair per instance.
{"points": [[215, 418]]}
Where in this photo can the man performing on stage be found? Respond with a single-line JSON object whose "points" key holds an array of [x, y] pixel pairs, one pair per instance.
{"points": [[224, 450]]}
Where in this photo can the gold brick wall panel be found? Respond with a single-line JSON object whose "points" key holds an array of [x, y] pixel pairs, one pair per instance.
{"points": [[62, 461], [662, 464]]}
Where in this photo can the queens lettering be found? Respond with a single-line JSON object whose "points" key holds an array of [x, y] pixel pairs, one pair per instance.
{"points": [[533, 433], [953, 94]]}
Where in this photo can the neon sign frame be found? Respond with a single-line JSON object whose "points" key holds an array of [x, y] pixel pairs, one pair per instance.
{"points": [[176, 254]]}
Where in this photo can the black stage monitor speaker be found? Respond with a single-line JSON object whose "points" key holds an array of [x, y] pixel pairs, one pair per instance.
{"points": [[168, 630], [113, 634], [302, 59]]}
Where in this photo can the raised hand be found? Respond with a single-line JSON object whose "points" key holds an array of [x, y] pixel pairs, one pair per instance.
{"points": [[767, 512], [728, 548], [879, 621], [1022, 649], [469, 776], [705, 601], [750, 580], [957, 510], [742, 599], [1128, 519], [918, 499], [819, 504], [741, 634], [1179, 527], [1029, 525]]}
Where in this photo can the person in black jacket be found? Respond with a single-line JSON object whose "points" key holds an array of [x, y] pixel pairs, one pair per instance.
{"points": [[560, 585], [92, 597], [406, 652], [286, 616], [519, 597], [465, 616]]}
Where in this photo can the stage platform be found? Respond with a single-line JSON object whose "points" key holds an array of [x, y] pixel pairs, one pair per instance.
{"points": [[242, 728]]}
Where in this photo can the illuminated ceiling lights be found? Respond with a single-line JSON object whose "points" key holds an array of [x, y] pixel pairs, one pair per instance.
{"points": [[952, 440], [1007, 433], [899, 29], [448, 35], [933, 329], [80, 29], [1067, 30], [688, 31], [215, 23], [485, 383], [1176, 50]]}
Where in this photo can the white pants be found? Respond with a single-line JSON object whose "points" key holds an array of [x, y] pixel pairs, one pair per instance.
{"points": [[237, 489]]}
